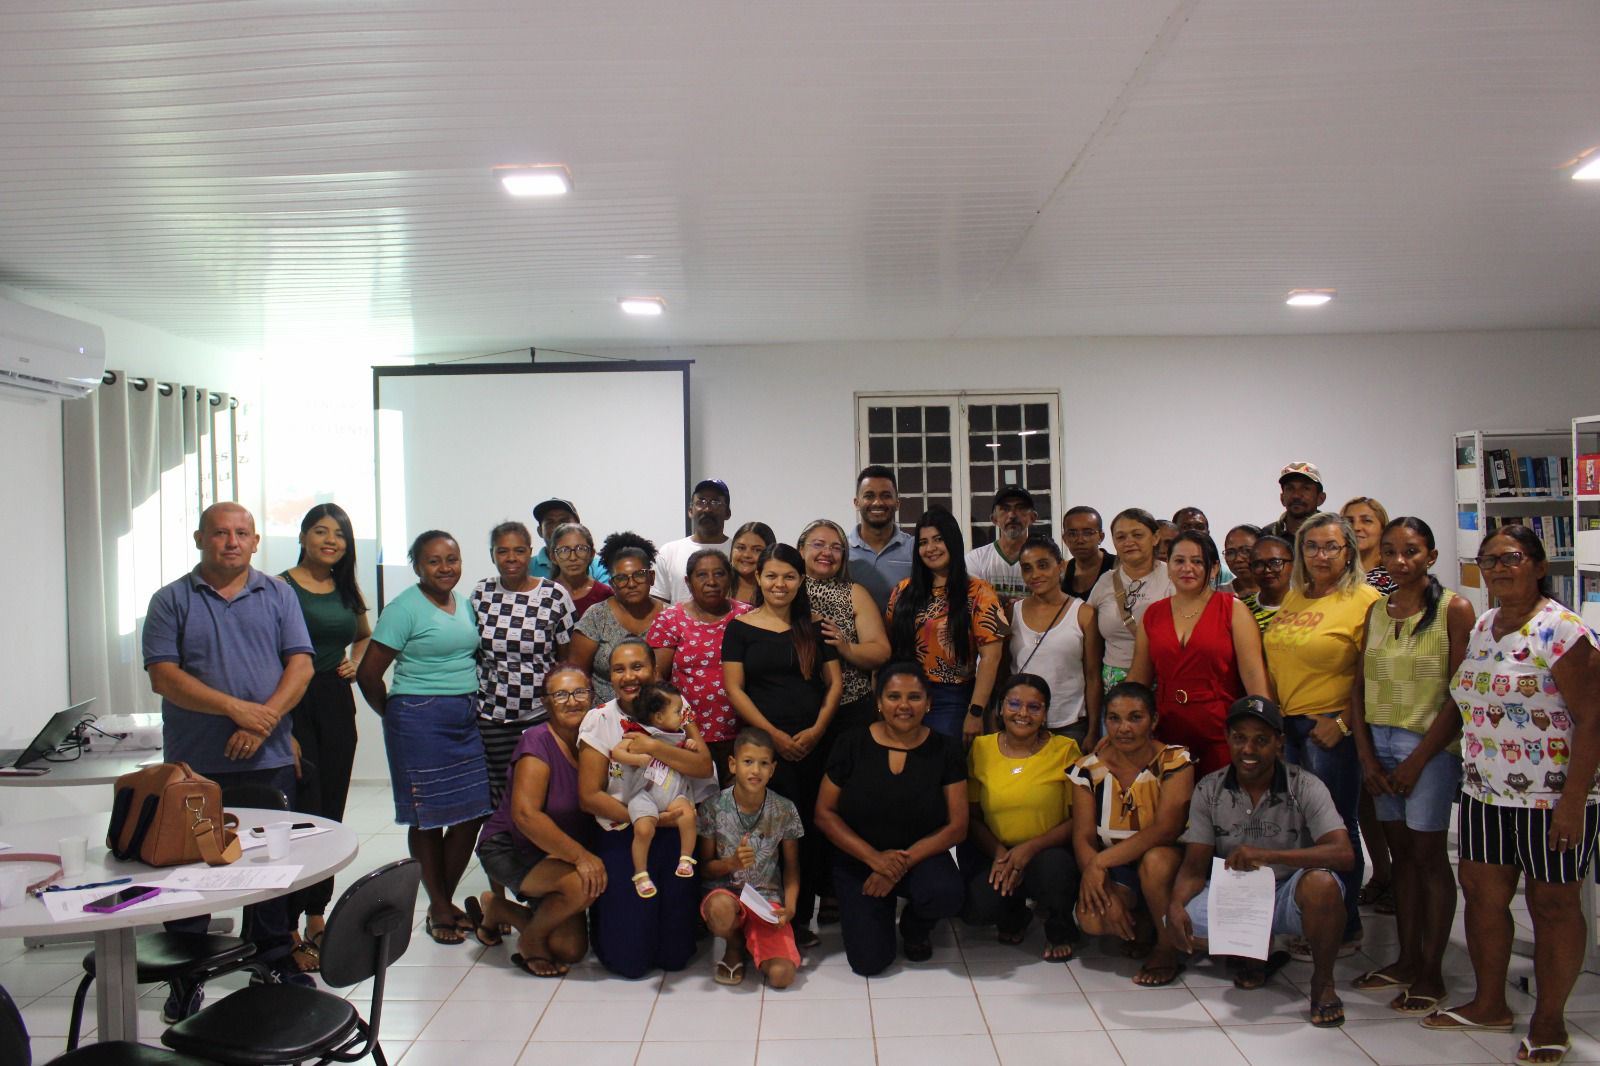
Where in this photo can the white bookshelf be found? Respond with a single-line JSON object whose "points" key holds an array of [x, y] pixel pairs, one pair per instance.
{"points": [[1585, 510], [1487, 495]]}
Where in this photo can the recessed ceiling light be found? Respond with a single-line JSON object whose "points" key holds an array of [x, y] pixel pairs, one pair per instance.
{"points": [[642, 305], [1588, 169], [552, 179], [641, 257], [1309, 297]]}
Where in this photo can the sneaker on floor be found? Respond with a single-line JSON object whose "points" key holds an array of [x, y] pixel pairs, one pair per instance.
{"points": [[173, 1012]]}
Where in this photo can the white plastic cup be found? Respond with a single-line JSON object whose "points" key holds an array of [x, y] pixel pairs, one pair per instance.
{"points": [[13, 887], [74, 852], [278, 839]]}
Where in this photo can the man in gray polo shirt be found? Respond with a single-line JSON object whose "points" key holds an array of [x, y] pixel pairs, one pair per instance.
{"points": [[227, 651], [1261, 811], [880, 551]]}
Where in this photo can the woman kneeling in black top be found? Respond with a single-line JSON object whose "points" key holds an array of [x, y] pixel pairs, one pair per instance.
{"points": [[894, 801]]}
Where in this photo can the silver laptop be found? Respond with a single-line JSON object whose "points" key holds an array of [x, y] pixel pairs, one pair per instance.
{"points": [[51, 737]]}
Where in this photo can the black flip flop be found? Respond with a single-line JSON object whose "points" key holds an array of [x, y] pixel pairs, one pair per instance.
{"points": [[474, 911], [526, 966], [1251, 969]]}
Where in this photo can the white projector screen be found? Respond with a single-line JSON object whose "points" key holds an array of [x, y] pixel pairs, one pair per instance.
{"points": [[464, 448]]}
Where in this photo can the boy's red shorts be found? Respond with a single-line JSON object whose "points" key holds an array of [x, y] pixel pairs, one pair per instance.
{"points": [[762, 940]]}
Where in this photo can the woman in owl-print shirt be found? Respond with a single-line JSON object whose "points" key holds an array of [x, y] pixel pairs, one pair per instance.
{"points": [[1529, 694]]}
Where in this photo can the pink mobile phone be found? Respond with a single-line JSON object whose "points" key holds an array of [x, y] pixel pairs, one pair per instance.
{"points": [[120, 900]]}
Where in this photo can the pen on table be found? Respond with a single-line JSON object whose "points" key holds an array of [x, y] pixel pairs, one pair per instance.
{"points": [[91, 884]]}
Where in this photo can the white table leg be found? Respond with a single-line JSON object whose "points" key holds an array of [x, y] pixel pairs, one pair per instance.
{"points": [[116, 985]]}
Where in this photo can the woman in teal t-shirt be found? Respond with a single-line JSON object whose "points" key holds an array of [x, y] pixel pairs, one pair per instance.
{"points": [[430, 730]]}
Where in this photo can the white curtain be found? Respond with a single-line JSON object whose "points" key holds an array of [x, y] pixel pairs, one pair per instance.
{"points": [[141, 461]]}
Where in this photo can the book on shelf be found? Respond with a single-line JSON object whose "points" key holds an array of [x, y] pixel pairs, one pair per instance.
{"points": [[1589, 474], [1554, 531], [1508, 474], [1466, 455]]}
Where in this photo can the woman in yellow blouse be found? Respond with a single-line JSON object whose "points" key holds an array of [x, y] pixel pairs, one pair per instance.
{"points": [[1019, 825], [1313, 646], [1130, 804]]}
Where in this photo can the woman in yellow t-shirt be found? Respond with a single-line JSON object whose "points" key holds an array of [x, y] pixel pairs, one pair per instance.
{"points": [[1020, 827], [1313, 647]]}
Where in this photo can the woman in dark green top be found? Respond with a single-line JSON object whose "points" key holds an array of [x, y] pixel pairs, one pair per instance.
{"points": [[324, 722]]}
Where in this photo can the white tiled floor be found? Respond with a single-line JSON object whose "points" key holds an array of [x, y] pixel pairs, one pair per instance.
{"points": [[976, 1002]]}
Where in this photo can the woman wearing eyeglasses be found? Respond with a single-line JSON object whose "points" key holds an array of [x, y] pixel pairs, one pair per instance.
{"points": [[524, 626], [629, 559], [1236, 557], [1313, 647], [572, 552], [1272, 568], [1200, 650], [1529, 696], [847, 618], [1020, 824], [1121, 596], [687, 641], [537, 841]]}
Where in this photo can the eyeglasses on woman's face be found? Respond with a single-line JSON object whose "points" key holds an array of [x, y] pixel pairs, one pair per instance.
{"points": [[638, 577], [1268, 566], [562, 697], [572, 551], [1323, 549], [1509, 560], [1019, 706]]}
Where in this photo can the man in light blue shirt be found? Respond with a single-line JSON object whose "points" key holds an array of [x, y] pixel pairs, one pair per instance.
{"points": [[880, 551]]}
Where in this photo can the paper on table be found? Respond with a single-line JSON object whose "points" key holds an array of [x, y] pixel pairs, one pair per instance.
{"points": [[66, 906], [757, 904], [250, 840], [1239, 910], [230, 878]]}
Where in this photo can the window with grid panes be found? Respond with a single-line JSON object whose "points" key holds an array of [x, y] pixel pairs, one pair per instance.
{"points": [[957, 450]]}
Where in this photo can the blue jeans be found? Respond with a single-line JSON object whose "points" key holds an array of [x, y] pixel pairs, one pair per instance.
{"points": [[1339, 769], [947, 707]]}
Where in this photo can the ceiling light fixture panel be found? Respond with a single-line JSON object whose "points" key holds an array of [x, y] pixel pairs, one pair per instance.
{"points": [[535, 179], [644, 306], [1309, 297]]}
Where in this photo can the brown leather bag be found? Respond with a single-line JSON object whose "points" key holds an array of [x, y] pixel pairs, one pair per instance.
{"points": [[168, 815]]}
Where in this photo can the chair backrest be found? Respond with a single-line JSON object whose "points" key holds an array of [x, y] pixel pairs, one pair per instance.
{"points": [[250, 794], [14, 1047], [370, 926]]}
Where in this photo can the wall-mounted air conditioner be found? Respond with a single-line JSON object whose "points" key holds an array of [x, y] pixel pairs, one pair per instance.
{"points": [[43, 354]]}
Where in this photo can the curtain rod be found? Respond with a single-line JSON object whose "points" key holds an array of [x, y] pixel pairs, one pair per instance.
{"points": [[165, 388]]}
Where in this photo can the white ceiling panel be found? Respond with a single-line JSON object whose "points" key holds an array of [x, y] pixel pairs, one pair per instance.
{"points": [[268, 174]]}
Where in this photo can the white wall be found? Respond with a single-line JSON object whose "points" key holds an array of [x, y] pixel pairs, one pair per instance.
{"points": [[33, 642], [1153, 422]]}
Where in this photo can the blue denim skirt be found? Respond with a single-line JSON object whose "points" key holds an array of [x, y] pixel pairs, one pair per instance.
{"points": [[436, 763]]}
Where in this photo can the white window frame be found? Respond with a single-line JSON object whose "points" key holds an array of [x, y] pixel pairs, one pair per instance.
{"points": [[960, 457]]}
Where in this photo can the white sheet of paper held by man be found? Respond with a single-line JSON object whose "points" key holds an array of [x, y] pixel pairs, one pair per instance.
{"points": [[1239, 910], [758, 905]]}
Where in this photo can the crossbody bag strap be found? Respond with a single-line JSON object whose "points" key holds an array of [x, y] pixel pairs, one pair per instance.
{"points": [[1040, 642], [205, 831], [1122, 601]]}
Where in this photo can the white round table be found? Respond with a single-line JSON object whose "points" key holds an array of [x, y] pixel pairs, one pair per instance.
{"points": [[90, 768], [116, 987]]}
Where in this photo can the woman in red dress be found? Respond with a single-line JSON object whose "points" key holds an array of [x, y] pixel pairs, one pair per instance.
{"points": [[1200, 649]]}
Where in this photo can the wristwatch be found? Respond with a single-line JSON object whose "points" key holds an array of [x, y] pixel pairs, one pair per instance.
{"points": [[976, 710], [1340, 723]]}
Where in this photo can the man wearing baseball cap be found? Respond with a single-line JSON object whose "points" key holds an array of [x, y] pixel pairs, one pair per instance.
{"points": [[1301, 492], [550, 515], [1260, 811], [710, 507], [998, 562]]}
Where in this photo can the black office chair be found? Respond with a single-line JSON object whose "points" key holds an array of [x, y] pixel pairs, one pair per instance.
{"points": [[184, 960], [267, 1025], [16, 1051]]}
